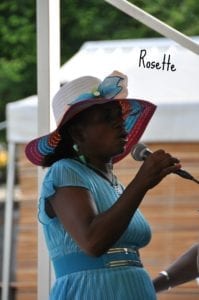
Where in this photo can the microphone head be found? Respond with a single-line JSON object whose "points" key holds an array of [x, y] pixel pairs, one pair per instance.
{"points": [[138, 152]]}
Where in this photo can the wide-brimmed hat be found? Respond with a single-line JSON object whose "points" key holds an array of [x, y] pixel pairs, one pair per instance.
{"points": [[84, 92]]}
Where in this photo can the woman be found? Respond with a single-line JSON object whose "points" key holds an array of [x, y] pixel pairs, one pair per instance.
{"points": [[92, 225], [185, 268]]}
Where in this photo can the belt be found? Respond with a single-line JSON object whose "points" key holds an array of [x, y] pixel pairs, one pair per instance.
{"points": [[115, 257]]}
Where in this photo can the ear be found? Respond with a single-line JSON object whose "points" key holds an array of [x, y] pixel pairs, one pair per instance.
{"points": [[77, 134]]}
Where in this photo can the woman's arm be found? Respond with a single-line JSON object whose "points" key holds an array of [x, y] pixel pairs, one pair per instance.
{"points": [[96, 232], [183, 269]]}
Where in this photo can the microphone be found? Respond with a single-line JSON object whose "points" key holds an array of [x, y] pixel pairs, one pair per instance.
{"points": [[140, 152]]}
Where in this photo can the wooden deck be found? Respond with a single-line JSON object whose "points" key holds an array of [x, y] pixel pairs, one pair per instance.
{"points": [[171, 208]]}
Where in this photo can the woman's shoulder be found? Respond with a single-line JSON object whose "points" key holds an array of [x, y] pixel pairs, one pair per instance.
{"points": [[67, 163], [66, 172], [67, 166]]}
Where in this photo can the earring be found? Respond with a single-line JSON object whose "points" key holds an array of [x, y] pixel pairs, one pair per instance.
{"points": [[81, 157], [75, 147]]}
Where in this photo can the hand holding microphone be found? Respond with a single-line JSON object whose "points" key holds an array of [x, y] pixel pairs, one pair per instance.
{"points": [[140, 152]]}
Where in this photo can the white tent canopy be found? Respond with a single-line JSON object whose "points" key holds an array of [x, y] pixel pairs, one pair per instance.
{"points": [[101, 58], [22, 120], [174, 93]]}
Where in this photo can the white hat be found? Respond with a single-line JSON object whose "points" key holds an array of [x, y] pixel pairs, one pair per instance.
{"points": [[84, 92]]}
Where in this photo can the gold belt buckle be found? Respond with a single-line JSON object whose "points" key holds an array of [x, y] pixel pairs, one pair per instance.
{"points": [[118, 263], [123, 262], [122, 250]]}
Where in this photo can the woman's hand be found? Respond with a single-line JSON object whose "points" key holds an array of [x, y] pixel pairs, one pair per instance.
{"points": [[156, 166]]}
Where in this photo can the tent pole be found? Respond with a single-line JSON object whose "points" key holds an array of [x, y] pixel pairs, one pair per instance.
{"points": [[8, 221], [154, 23], [48, 62]]}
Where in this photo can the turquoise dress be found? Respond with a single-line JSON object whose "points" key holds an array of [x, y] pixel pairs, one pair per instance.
{"points": [[118, 283]]}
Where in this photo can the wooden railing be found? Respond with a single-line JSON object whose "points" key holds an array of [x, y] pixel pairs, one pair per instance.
{"points": [[171, 208]]}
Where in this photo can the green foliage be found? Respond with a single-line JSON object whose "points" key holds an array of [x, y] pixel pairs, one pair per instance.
{"points": [[180, 14], [18, 51], [81, 20], [96, 20]]}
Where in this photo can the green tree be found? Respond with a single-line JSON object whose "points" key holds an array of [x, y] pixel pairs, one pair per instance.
{"points": [[98, 20], [18, 51]]}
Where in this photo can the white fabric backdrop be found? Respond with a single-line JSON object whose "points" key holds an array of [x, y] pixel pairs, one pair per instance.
{"points": [[175, 93]]}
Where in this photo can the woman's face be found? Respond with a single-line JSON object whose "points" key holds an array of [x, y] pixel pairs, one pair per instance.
{"points": [[103, 134]]}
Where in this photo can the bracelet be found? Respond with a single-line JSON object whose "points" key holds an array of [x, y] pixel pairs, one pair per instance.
{"points": [[166, 275]]}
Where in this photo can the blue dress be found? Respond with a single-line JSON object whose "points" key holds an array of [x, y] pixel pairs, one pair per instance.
{"points": [[118, 283]]}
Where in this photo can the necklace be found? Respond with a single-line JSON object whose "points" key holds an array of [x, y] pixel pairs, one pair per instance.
{"points": [[111, 179]]}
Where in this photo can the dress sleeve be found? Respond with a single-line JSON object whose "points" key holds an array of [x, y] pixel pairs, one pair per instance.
{"points": [[66, 174], [61, 174]]}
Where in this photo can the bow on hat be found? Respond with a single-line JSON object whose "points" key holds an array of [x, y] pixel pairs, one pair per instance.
{"points": [[112, 87]]}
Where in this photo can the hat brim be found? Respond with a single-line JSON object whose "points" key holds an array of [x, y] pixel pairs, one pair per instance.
{"points": [[136, 113]]}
